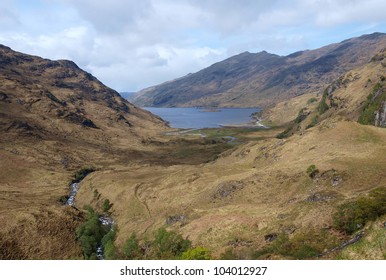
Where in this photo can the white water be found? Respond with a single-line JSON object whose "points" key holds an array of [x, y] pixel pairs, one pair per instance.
{"points": [[104, 220], [74, 189]]}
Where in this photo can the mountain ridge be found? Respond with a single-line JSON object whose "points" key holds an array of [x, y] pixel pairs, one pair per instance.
{"points": [[263, 79]]}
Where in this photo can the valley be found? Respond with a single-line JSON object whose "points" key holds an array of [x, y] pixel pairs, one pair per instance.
{"points": [[283, 192]]}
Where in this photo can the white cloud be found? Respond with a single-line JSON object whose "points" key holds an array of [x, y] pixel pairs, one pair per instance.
{"points": [[133, 44]]}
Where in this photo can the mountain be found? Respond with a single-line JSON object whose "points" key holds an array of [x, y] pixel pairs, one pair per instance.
{"points": [[127, 95], [304, 191], [307, 188], [262, 79], [55, 119]]}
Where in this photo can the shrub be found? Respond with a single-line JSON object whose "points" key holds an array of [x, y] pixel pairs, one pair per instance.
{"points": [[131, 249], [165, 245], [82, 173], [373, 102], [302, 115], [312, 171], [110, 251], [106, 205], [351, 216], [284, 134], [312, 100], [322, 106], [307, 244], [169, 244], [96, 194], [313, 122], [198, 253]]}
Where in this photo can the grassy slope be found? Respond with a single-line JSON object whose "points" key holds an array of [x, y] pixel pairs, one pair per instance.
{"points": [[275, 186]]}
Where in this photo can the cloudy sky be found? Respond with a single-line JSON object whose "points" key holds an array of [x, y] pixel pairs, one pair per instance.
{"points": [[130, 45]]}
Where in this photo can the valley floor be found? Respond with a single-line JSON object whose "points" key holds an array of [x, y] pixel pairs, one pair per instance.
{"points": [[235, 199]]}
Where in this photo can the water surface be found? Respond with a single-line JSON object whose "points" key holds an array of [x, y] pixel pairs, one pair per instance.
{"points": [[202, 118]]}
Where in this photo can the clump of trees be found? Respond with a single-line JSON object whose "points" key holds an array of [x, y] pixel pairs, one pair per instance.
{"points": [[90, 234], [163, 245]]}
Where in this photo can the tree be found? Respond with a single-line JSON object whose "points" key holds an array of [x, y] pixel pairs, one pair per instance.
{"points": [[169, 244], [132, 250], [90, 234]]}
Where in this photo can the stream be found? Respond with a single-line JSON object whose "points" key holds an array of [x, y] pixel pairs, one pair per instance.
{"points": [[74, 189], [104, 220]]}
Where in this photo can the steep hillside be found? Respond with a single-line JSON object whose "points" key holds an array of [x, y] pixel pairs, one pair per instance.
{"points": [[263, 79], [359, 95], [54, 119]]}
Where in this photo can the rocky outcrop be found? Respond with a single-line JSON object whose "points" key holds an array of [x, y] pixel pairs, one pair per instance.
{"points": [[227, 189], [380, 115]]}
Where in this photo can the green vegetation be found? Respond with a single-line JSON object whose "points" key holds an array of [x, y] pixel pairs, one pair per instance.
{"points": [[96, 194], [308, 244], [80, 174], [166, 245], [313, 122], [110, 251], [302, 115], [352, 216], [372, 246], [90, 234], [312, 100], [169, 244], [322, 106], [132, 249], [219, 134], [198, 253], [312, 171], [106, 205], [285, 133], [372, 104]]}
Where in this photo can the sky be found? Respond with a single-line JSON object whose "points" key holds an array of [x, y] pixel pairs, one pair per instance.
{"points": [[130, 45]]}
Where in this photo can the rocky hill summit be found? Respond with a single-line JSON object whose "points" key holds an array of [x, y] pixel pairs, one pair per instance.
{"points": [[50, 100], [263, 79]]}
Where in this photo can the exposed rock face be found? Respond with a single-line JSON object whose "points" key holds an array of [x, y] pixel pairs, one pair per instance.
{"points": [[171, 220], [227, 189], [380, 115]]}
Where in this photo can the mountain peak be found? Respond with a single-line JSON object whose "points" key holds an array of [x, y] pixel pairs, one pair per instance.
{"points": [[39, 93], [260, 79]]}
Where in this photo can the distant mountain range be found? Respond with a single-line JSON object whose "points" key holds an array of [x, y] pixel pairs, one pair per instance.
{"points": [[262, 79], [127, 94]]}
